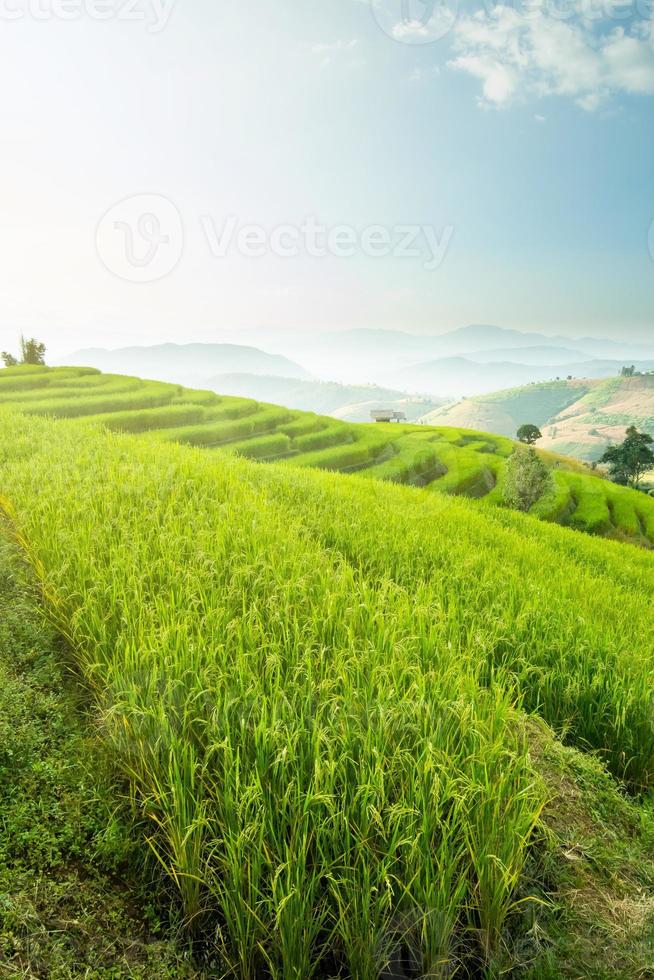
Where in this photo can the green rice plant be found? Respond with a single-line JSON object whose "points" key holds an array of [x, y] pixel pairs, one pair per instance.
{"points": [[212, 433], [553, 632], [623, 512], [558, 503], [149, 419], [263, 447], [34, 376], [13, 384], [81, 382], [591, 513], [469, 437], [216, 433], [231, 408], [645, 514], [335, 434], [20, 370], [303, 424], [466, 471], [75, 371], [197, 396], [347, 457], [309, 741], [66, 393], [151, 396], [413, 461]]}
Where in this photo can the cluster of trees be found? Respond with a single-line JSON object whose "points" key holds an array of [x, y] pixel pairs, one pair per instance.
{"points": [[31, 352], [528, 479], [629, 462]]}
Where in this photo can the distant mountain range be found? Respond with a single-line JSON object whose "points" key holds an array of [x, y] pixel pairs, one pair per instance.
{"points": [[451, 376], [484, 337], [188, 364], [468, 361]]}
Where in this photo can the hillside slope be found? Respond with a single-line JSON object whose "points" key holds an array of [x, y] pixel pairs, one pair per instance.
{"points": [[578, 418], [440, 459], [331, 700], [587, 426], [504, 411], [352, 403]]}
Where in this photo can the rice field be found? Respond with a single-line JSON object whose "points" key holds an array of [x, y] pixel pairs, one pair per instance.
{"points": [[441, 460], [317, 686]]}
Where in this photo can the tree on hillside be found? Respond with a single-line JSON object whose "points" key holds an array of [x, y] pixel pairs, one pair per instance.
{"points": [[628, 372], [527, 479], [529, 434], [630, 461], [32, 351]]}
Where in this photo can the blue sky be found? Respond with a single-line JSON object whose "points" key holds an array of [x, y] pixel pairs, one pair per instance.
{"points": [[523, 138]]}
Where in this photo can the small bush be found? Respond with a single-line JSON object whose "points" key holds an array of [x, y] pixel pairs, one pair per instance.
{"points": [[527, 480]]}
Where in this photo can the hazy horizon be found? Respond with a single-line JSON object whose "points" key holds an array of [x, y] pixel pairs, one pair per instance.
{"points": [[225, 335], [177, 174]]}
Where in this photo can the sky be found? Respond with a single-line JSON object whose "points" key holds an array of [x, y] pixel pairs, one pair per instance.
{"points": [[176, 171]]}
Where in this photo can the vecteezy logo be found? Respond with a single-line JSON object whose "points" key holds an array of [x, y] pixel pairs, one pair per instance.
{"points": [[141, 239], [415, 21]]}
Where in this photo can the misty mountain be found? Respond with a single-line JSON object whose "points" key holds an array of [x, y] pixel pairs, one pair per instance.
{"points": [[189, 364], [476, 338], [528, 355], [350, 402], [452, 376], [472, 360], [368, 355]]}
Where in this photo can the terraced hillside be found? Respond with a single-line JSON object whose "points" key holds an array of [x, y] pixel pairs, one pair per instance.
{"points": [[438, 459], [504, 411], [367, 731], [578, 418], [599, 418]]}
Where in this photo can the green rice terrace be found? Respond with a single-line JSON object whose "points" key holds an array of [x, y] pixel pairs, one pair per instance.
{"points": [[279, 722], [438, 459]]}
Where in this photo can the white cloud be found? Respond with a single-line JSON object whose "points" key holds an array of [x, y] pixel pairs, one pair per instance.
{"points": [[499, 81], [518, 54]]}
